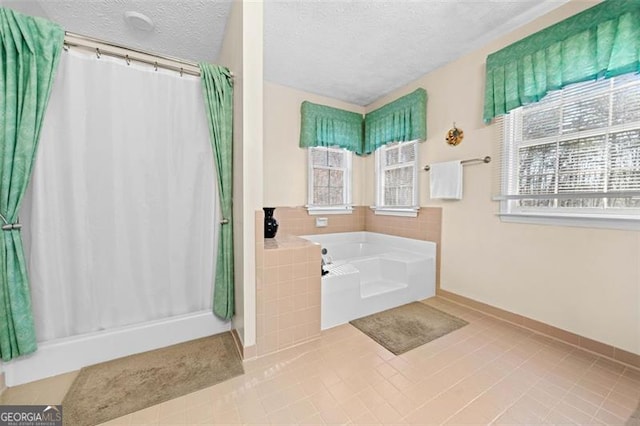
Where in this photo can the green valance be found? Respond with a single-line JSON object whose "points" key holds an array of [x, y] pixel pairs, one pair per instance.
{"points": [[325, 126], [600, 42], [404, 119]]}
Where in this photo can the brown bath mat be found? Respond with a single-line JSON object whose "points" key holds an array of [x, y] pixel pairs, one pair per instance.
{"points": [[115, 388], [408, 326]]}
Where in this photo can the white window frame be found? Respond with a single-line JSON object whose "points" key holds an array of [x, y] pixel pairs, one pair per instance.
{"points": [[380, 208], [579, 217], [346, 207]]}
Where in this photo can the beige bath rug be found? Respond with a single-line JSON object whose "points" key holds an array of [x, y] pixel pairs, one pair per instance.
{"points": [[115, 388], [408, 326]]}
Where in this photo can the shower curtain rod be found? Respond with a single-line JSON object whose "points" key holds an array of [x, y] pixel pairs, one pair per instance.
{"points": [[102, 47]]}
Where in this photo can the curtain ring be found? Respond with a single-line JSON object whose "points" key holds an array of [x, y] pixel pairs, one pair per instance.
{"points": [[126, 58], [181, 71], [98, 52], [155, 65], [65, 46]]}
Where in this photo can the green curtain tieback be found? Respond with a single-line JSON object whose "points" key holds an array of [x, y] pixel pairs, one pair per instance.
{"points": [[9, 226]]}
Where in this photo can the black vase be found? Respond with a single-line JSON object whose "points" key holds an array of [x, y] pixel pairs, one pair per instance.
{"points": [[270, 223]]}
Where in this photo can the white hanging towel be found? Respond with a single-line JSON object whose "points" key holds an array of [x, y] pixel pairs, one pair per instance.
{"points": [[446, 180]]}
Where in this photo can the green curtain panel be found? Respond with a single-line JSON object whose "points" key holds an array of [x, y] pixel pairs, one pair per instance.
{"points": [[326, 126], [29, 55], [217, 88], [404, 119], [600, 42]]}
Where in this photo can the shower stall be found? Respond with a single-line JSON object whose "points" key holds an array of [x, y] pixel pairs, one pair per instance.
{"points": [[121, 218]]}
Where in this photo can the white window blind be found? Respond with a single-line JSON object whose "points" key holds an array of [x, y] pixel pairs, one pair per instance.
{"points": [[575, 152], [397, 177], [329, 178]]}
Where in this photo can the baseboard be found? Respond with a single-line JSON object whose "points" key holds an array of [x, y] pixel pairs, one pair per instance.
{"points": [[602, 349], [246, 353], [249, 352]]}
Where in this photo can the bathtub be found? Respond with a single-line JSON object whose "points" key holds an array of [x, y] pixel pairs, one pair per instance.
{"points": [[72, 353], [372, 272]]}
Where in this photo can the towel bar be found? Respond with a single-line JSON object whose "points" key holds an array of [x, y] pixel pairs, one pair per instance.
{"points": [[486, 159]]}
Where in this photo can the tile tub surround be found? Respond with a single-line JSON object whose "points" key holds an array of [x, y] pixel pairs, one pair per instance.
{"points": [[274, 329], [488, 372], [426, 226], [297, 221], [288, 293]]}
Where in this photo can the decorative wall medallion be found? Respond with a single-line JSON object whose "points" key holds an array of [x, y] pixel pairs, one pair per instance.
{"points": [[454, 136]]}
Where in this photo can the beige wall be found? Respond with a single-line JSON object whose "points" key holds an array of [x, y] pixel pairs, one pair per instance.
{"points": [[586, 281], [242, 53], [285, 164]]}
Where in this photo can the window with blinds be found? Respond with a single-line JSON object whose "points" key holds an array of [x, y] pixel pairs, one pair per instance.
{"points": [[577, 151], [329, 179], [397, 177]]}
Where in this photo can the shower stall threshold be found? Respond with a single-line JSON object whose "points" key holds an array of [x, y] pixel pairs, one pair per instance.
{"points": [[72, 353]]}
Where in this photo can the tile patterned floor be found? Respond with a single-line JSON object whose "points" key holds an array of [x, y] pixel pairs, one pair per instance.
{"points": [[489, 372]]}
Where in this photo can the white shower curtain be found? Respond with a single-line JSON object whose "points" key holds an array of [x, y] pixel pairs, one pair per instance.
{"points": [[121, 218]]}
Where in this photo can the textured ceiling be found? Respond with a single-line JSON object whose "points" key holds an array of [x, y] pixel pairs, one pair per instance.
{"points": [[187, 29], [358, 51], [353, 50]]}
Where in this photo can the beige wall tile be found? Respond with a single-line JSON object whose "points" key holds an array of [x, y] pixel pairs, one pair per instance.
{"points": [[291, 274], [627, 357], [597, 347]]}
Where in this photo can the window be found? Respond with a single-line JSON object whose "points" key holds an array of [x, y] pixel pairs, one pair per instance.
{"points": [[329, 180], [397, 179], [575, 154]]}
